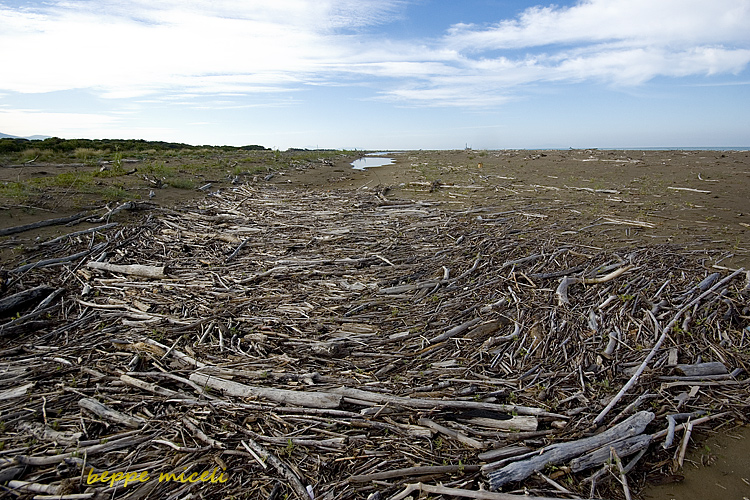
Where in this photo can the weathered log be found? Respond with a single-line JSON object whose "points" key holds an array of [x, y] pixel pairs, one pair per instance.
{"points": [[457, 435], [59, 260], [132, 269], [79, 233], [43, 223], [439, 403], [413, 471], [624, 448], [45, 433], [526, 423], [300, 398], [698, 369], [459, 492], [456, 330], [108, 413], [15, 392], [18, 301], [562, 452]]}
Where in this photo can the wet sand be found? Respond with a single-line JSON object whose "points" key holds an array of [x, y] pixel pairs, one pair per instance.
{"points": [[699, 199]]}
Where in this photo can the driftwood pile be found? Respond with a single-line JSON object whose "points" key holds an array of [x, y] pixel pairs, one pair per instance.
{"points": [[340, 345]]}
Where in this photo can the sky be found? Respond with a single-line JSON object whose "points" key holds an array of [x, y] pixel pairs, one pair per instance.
{"points": [[380, 74]]}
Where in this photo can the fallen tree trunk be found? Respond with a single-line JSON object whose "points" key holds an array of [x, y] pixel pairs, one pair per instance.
{"points": [[42, 223], [108, 413], [439, 403], [132, 269], [559, 453], [14, 303], [299, 398]]}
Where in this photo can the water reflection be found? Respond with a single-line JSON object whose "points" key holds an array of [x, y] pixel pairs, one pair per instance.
{"points": [[369, 161]]}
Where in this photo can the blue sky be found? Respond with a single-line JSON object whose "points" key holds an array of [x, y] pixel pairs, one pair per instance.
{"points": [[380, 74]]}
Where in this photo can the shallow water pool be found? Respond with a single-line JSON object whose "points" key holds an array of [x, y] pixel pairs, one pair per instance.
{"points": [[371, 161]]}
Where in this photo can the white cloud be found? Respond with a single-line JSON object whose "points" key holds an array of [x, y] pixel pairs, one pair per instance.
{"points": [[640, 22], [160, 51], [617, 42], [33, 121]]}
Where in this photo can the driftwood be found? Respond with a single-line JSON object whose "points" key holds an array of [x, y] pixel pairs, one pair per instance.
{"points": [[44, 223], [18, 301], [156, 272], [306, 399], [107, 413], [273, 336], [438, 403], [458, 492], [624, 448], [58, 260], [59, 239], [701, 369], [563, 452]]}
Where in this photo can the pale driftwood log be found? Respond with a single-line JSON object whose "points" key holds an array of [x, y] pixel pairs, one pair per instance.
{"points": [[562, 289], [45, 433], [15, 392], [699, 369], [689, 189], [562, 452], [156, 272], [413, 471], [109, 414], [456, 330], [26, 486], [526, 423], [299, 398], [458, 492], [457, 435], [148, 386], [440, 403], [624, 448]]}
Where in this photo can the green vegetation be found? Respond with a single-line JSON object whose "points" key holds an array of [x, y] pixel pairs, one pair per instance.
{"points": [[78, 147], [56, 172]]}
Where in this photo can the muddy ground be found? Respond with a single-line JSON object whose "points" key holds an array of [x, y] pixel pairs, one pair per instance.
{"points": [[698, 199], [593, 198]]}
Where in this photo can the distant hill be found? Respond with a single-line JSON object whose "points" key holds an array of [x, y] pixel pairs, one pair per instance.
{"points": [[31, 137]]}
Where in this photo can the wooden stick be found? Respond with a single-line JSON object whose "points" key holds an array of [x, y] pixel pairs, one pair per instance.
{"points": [[458, 492], [623, 477], [43, 223], [79, 233], [413, 471], [457, 435], [294, 481], [156, 272]]}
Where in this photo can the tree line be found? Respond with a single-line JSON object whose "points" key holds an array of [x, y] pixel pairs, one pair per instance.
{"points": [[58, 145]]}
